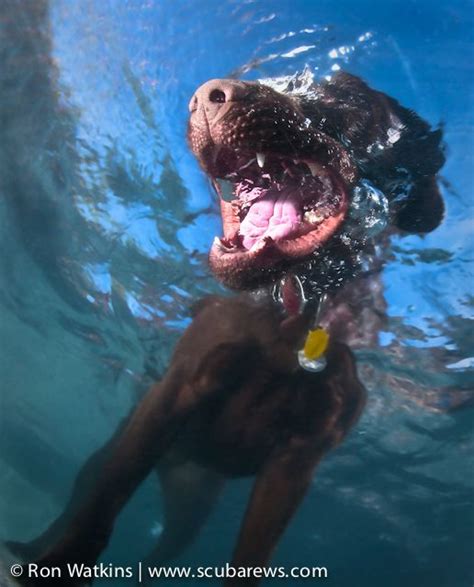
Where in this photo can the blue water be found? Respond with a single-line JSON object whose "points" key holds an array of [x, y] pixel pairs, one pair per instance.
{"points": [[106, 221]]}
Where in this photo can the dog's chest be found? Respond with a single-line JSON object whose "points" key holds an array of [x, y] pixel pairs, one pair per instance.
{"points": [[239, 432]]}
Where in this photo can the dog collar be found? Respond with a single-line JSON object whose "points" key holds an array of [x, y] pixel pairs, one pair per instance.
{"points": [[312, 356], [289, 292]]}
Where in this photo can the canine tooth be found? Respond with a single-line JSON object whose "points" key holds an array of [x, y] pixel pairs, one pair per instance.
{"points": [[314, 168], [261, 159]]}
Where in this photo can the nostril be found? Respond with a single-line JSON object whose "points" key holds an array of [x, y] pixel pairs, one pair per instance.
{"points": [[217, 96]]}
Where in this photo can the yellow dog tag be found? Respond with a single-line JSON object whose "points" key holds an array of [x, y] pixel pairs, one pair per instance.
{"points": [[311, 357], [316, 343]]}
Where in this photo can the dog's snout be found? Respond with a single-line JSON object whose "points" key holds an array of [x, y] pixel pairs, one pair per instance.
{"points": [[213, 94]]}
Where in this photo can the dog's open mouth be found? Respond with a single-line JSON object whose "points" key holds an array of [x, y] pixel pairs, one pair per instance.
{"points": [[274, 208], [283, 183]]}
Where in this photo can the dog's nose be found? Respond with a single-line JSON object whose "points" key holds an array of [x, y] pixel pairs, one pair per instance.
{"points": [[213, 94]]}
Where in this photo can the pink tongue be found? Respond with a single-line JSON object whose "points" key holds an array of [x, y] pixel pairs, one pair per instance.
{"points": [[274, 217]]}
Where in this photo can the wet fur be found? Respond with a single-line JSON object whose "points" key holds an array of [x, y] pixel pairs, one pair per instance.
{"points": [[233, 402], [358, 116], [358, 131]]}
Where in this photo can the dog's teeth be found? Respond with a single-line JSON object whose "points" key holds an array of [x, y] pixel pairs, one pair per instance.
{"points": [[313, 217], [222, 245], [261, 159], [314, 168], [227, 244], [261, 244]]}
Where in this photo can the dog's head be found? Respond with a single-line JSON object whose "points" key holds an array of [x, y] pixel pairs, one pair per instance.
{"points": [[285, 167]]}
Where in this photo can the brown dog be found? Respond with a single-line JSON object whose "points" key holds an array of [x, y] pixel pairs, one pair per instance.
{"points": [[234, 402]]}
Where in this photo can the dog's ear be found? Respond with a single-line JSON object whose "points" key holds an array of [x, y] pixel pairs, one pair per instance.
{"points": [[424, 209]]}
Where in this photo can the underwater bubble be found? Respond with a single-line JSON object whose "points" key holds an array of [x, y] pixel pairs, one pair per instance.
{"points": [[368, 214]]}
